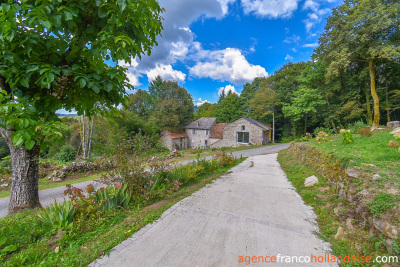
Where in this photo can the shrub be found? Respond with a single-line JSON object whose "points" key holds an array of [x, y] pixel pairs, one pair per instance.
{"points": [[365, 132], [323, 129], [112, 197], [393, 144], [59, 216], [397, 136], [223, 159], [356, 126], [322, 137], [67, 153], [347, 136]]}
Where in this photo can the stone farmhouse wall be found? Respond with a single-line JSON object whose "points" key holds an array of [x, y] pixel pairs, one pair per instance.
{"points": [[173, 144], [256, 134], [199, 139]]}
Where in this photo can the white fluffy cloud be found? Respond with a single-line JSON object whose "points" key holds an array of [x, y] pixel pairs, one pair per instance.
{"points": [[311, 45], [292, 39], [166, 72], [225, 65], [132, 73], [270, 8], [200, 102], [289, 57], [316, 14], [227, 89], [177, 38]]}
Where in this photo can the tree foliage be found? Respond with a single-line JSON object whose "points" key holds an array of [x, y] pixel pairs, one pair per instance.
{"points": [[361, 31], [53, 55]]}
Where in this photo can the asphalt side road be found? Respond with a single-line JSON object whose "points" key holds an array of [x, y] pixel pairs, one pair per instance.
{"points": [[48, 196], [252, 210]]}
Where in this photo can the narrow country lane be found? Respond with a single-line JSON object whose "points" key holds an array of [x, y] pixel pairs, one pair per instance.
{"points": [[253, 210]]}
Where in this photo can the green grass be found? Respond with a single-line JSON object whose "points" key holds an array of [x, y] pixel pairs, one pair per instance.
{"points": [[322, 202], [38, 243], [47, 184], [364, 151]]}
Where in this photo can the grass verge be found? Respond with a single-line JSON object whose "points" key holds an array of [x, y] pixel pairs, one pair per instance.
{"points": [[40, 245], [322, 197]]}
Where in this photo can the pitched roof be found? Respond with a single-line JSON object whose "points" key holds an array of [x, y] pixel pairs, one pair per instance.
{"points": [[257, 123], [176, 135], [218, 130], [204, 123]]}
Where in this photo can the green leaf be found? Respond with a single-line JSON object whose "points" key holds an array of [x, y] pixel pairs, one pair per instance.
{"points": [[9, 248], [57, 20], [82, 82], [30, 144], [31, 68], [102, 12], [122, 4], [68, 15], [18, 141], [3, 240], [46, 24], [24, 82], [96, 89], [109, 87]]}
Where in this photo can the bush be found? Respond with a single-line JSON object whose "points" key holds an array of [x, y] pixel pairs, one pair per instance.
{"points": [[397, 136], [393, 144], [59, 216], [67, 153], [112, 197], [366, 132], [347, 136], [323, 129], [355, 127], [322, 137]]}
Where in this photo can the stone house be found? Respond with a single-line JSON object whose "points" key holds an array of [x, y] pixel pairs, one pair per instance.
{"points": [[206, 132], [174, 141], [199, 131], [244, 131]]}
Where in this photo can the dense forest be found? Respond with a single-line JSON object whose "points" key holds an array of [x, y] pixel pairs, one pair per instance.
{"points": [[352, 77]]}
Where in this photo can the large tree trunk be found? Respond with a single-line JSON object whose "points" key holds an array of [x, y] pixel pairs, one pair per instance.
{"points": [[24, 192], [374, 95], [368, 103]]}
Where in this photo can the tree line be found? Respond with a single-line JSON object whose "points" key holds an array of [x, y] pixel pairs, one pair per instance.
{"points": [[353, 76]]}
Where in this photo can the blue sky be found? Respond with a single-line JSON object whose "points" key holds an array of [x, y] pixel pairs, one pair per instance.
{"points": [[214, 45]]}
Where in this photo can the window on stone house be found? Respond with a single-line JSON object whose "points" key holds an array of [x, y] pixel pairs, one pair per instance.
{"points": [[207, 132], [193, 131], [243, 128], [243, 137]]}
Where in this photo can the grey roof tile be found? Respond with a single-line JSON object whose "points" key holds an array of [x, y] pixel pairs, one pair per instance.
{"points": [[205, 123]]}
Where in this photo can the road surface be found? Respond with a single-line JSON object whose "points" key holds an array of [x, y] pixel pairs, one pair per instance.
{"points": [[253, 210]]}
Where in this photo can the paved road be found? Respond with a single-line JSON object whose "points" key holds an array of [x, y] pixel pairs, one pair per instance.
{"points": [[48, 196], [251, 211]]}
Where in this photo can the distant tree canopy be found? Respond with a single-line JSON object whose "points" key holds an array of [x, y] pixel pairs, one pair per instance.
{"points": [[364, 32], [166, 103], [229, 108], [205, 110]]}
